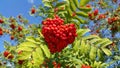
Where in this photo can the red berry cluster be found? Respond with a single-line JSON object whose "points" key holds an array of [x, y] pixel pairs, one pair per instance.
{"points": [[56, 65], [111, 20], [8, 55], [101, 16], [93, 14], [57, 34], [85, 66]]}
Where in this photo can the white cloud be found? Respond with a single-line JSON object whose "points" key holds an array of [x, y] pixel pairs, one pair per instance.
{"points": [[31, 1]]}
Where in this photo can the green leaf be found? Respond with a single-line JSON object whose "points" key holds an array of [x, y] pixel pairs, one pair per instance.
{"points": [[95, 40], [27, 44], [82, 32], [106, 43], [99, 54], [32, 39], [97, 64], [24, 49], [91, 37], [106, 51], [92, 54], [45, 50], [76, 61], [79, 19], [6, 45], [47, 3], [76, 45], [59, 4], [83, 2], [82, 47], [104, 65], [69, 11], [117, 57], [83, 14], [24, 55], [76, 2], [72, 6], [38, 57], [84, 9]]}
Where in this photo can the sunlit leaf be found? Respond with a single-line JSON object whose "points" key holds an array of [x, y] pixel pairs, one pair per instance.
{"points": [[45, 50]]}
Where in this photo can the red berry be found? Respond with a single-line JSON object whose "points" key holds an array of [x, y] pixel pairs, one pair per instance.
{"points": [[55, 9], [91, 16], [1, 32], [19, 16], [73, 14], [33, 10], [58, 65], [101, 16], [110, 21], [12, 26], [6, 53], [85, 66], [1, 20], [20, 35], [12, 37], [20, 52], [96, 12], [20, 62], [10, 56], [97, 31], [0, 29], [54, 63], [88, 6], [19, 28]]}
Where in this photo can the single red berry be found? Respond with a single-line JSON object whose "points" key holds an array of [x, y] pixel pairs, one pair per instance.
{"points": [[1, 20], [73, 14], [110, 21], [55, 9], [19, 52], [21, 35], [11, 56], [19, 28], [6, 53], [19, 16], [85, 66], [88, 6], [113, 44], [1, 32], [12, 26], [96, 11], [20, 62], [33, 10], [0, 29], [58, 65], [97, 31], [12, 37], [54, 63]]}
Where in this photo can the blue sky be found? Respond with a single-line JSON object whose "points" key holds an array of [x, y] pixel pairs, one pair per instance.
{"points": [[15, 7]]}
